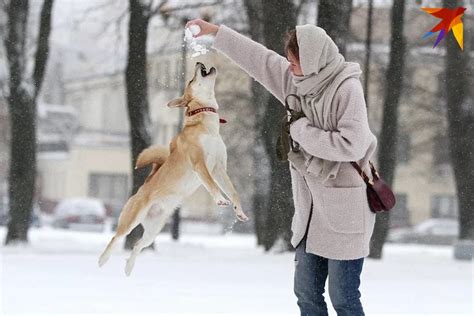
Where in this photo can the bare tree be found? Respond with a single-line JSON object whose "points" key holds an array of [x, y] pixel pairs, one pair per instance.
{"points": [[137, 96], [260, 96], [272, 208], [388, 135], [22, 97], [368, 49], [268, 22], [278, 18], [460, 130], [335, 17]]}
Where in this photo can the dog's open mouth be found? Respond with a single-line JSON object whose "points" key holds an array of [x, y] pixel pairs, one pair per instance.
{"points": [[205, 73]]}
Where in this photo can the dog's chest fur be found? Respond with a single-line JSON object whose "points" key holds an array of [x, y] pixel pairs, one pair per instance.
{"points": [[214, 149]]}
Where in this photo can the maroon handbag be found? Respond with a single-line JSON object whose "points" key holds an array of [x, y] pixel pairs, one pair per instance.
{"points": [[379, 194]]}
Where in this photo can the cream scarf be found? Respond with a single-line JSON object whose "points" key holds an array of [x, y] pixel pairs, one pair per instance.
{"points": [[324, 69]]}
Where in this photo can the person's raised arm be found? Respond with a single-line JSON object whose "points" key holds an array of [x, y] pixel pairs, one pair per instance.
{"points": [[264, 65]]}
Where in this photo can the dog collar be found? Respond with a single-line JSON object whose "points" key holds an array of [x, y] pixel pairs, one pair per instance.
{"points": [[205, 109]]}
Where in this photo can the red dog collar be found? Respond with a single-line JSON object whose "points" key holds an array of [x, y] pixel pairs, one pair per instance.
{"points": [[205, 109]]}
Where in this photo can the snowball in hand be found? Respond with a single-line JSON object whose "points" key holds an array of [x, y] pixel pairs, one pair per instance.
{"points": [[195, 29], [189, 38]]}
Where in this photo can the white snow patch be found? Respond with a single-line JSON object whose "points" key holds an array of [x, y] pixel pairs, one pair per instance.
{"points": [[57, 274]]}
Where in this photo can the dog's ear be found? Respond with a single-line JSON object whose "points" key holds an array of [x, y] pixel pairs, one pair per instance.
{"points": [[176, 103]]}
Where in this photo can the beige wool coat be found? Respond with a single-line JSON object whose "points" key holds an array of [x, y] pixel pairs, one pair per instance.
{"points": [[335, 212]]}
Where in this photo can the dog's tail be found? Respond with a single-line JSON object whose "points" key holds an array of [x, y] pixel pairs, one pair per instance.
{"points": [[156, 154]]}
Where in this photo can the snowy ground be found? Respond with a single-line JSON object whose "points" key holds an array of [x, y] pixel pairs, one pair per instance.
{"points": [[57, 274]]}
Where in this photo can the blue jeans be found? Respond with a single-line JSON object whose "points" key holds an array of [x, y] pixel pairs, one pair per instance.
{"points": [[311, 272]]}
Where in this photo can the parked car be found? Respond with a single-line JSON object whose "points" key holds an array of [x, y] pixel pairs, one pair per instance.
{"points": [[80, 214], [434, 231]]}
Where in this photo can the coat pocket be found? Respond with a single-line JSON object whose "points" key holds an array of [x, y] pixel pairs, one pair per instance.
{"points": [[344, 209]]}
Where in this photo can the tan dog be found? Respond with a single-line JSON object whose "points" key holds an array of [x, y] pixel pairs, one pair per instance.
{"points": [[197, 156]]}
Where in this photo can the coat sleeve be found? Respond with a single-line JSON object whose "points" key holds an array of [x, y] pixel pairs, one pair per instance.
{"points": [[264, 65], [350, 141]]}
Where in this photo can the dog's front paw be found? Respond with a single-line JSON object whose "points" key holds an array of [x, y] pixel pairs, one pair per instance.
{"points": [[242, 217], [240, 214], [222, 202]]}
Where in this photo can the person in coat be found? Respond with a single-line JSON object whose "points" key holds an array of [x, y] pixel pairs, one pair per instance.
{"points": [[332, 224]]}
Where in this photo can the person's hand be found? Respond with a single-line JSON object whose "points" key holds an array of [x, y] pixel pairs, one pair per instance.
{"points": [[206, 27]]}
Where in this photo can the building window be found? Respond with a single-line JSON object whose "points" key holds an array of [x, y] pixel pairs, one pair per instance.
{"points": [[444, 206], [403, 147], [399, 215], [110, 188], [59, 146]]}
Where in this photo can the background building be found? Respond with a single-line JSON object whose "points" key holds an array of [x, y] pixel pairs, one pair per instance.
{"points": [[84, 142]]}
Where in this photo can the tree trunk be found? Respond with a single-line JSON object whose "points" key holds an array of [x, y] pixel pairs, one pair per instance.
{"points": [[22, 108], [461, 127], [137, 97], [42, 49], [334, 17], [260, 96], [176, 218], [278, 18], [388, 135], [368, 48]]}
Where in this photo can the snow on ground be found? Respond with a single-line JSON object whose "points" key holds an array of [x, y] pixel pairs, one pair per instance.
{"points": [[57, 274]]}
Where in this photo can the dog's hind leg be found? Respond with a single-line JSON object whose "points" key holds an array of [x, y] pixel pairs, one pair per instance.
{"points": [[152, 225], [130, 217], [108, 251], [119, 233]]}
